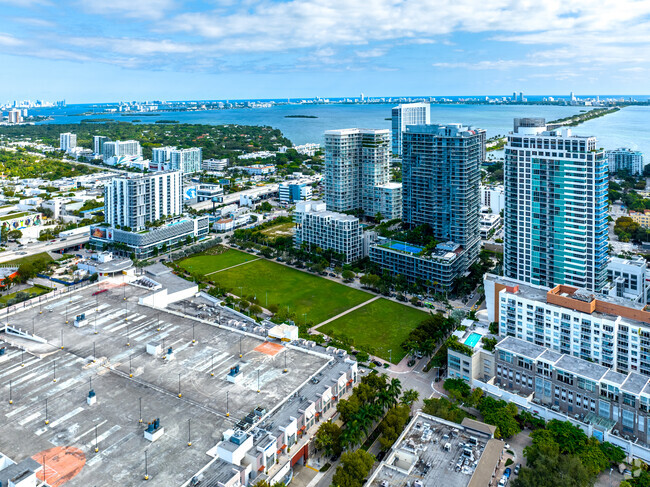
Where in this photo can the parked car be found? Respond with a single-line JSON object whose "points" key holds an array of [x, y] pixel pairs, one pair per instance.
{"points": [[517, 468], [507, 472]]}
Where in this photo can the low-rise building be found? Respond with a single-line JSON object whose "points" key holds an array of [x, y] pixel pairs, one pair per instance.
{"points": [[207, 192], [214, 165], [318, 228], [20, 220], [489, 223], [627, 279], [641, 217], [258, 169], [150, 241], [434, 452], [469, 357]]}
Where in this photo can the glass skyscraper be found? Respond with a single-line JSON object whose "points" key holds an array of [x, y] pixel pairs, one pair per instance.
{"points": [[555, 207], [407, 114]]}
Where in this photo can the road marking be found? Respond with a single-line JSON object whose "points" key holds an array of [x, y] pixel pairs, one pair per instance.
{"points": [[57, 422]]}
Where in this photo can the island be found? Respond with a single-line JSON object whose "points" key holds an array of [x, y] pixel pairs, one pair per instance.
{"points": [[300, 116]]}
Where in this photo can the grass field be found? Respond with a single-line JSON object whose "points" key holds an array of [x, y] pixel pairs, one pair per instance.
{"points": [[29, 258], [31, 290], [281, 230], [319, 298], [386, 324], [205, 264]]}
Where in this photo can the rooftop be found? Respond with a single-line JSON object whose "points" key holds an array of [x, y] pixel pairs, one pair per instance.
{"points": [[155, 382], [438, 452]]}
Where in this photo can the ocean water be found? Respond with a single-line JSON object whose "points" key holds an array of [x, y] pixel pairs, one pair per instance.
{"points": [[626, 128]]}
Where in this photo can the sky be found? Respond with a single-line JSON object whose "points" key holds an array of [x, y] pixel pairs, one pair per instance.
{"points": [[111, 50]]}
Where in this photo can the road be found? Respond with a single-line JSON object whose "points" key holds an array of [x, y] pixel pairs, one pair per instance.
{"points": [[38, 247]]}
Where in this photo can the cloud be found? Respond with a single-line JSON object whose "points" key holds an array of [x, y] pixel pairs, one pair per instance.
{"points": [[9, 40], [378, 52], [137, 9], [500, 64]]}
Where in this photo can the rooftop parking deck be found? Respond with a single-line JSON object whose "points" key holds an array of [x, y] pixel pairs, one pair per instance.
{"points": [[131, 384]]}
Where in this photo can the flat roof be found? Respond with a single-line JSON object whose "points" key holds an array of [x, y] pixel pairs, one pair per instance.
{"points": [[156, 381], [520, 347]]}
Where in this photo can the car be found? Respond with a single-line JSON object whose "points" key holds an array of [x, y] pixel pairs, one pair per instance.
{"points": [[507, 446], [517, 468], [377, 363], [507, 472], [503, 482]]}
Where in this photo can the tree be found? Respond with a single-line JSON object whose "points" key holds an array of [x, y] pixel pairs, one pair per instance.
{"points": [[348, 275], [354, 468], [500, 414], [14, 234], [458, 389], [546, 467], [393, 425], [328, 439], [273, 308], [255, 310], [409, 397]]}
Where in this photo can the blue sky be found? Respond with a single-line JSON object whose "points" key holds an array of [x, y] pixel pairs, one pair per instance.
{"points": [[111, 50]]}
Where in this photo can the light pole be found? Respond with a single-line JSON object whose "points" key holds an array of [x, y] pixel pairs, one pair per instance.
{"points": [[140, 401], [54, 365], [96, 444], [62, 339], [11, 400], [227, 406], [189, 432], [146, 467], [179, 386], [47, 420], [212, 367], [240, 354]]}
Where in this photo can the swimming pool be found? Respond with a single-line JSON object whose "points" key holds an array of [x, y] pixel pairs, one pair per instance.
{"points": [[404, 247], [472, 340]]}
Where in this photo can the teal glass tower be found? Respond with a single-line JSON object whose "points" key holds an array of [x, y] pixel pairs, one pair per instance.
{"points": [[555, 207]]}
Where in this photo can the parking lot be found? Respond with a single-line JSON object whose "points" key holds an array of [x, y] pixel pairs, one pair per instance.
{"points": [[50, 381]]}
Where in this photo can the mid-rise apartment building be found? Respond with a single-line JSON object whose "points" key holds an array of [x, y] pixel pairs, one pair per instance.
{"points": [[556, 207], [493, 197], [624, 159], [67, 141], [317, 227], [356, 161], [134, 200], [388, 200], [407, 114], [604, 400], [437, 269], [610, 331], [214, 165], [440, 182], [290, 193], [121, 148]]}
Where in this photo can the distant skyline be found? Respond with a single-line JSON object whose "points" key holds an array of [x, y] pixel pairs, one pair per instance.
{"points": [[109, 50]]}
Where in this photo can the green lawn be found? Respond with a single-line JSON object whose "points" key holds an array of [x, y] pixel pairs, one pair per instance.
{"points": [[31, 290], [30, 258], [204, 264], [381, 325], [306, 293]]}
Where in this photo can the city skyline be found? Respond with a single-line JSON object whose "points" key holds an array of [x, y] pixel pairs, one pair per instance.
{"points": [[100, 51]]}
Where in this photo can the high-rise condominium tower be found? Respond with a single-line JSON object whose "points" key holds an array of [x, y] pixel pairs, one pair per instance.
{"points": [[407, 114], [555, 208], [440, 182], [356, 161], [136, 199]]}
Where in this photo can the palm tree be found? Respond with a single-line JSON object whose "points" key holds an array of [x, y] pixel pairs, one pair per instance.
{"points": [[394, 390], [409, 397]]}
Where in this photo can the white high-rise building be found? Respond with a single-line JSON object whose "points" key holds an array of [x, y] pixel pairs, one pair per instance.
{"points": [[188, 161], [67, 141], [493, 197], [132, 201], [98, 143], [625, 160], [356, 160], [407, 114], [556, 207], [121, 148]]}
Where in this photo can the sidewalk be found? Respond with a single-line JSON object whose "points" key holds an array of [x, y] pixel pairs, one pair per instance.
{"points": [[349, 310]]}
